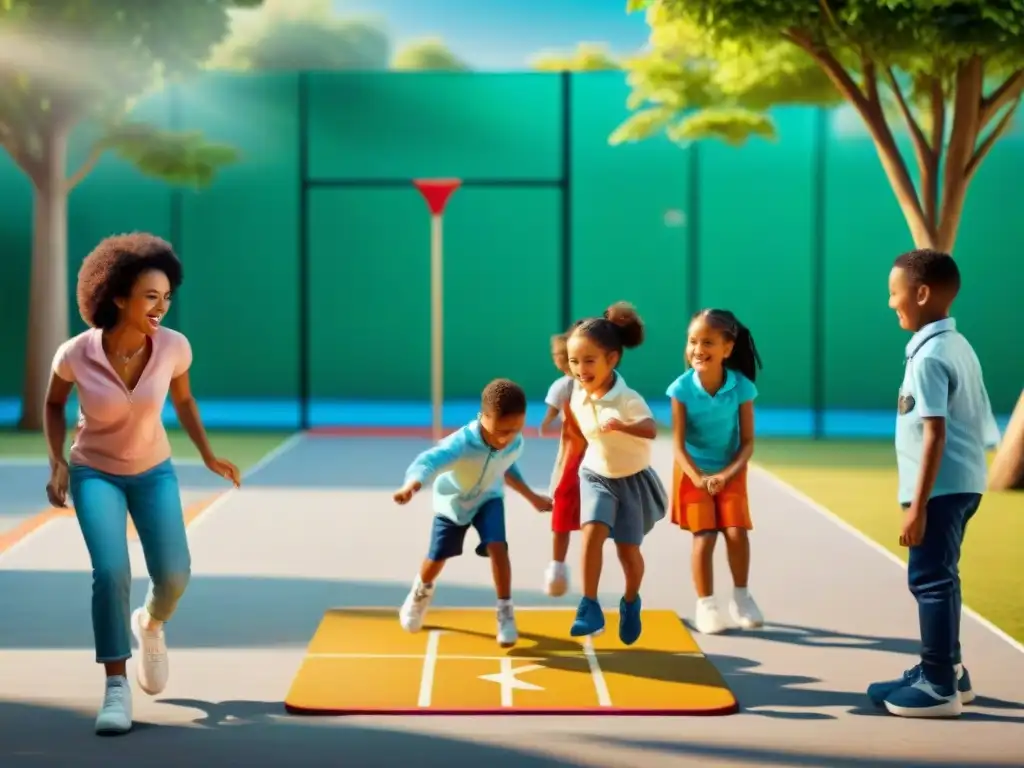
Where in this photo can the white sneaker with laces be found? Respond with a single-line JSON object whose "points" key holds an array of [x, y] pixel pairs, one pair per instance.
{"points": [[744, 611], [508, 634], [414, 609], [708, 619], [556, 579], [152, 669], [116, 711]]}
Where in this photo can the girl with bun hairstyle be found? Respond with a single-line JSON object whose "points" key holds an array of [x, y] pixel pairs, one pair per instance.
{"points": [[621, 496]]}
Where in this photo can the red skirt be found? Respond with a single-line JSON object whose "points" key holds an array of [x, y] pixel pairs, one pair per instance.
{"points": [[565, 513]]}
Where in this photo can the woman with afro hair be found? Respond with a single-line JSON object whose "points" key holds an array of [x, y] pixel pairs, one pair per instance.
{"points": [[120, 461]]}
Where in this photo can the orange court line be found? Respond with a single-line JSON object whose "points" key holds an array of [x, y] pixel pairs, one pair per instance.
{"points": [[26, 528]]}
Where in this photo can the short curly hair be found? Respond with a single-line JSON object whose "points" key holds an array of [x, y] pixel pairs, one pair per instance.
{"points": [[926, 266], [503, 397], [110, 272]]}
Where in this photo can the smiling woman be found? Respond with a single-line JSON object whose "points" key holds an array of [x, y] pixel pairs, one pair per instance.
{"points": [[120, 461]]}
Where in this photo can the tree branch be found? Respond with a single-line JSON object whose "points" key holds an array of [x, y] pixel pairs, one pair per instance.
{"points": [[832, 68], [868, 105], [28, 165], [84, 169], [962, 140], [990, 140], [927, 155], [1011, 89]]}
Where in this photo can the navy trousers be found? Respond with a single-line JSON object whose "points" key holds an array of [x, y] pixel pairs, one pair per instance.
{"points": [[934, 578]]}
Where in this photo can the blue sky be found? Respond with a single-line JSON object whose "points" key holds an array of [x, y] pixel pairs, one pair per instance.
{"points": [[505, 34]]}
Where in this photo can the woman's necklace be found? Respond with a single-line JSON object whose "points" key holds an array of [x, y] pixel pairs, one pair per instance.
{"points": [[126, 359]]}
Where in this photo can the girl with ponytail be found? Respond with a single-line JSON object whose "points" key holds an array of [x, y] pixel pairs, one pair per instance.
{"points": [[713, 436]]}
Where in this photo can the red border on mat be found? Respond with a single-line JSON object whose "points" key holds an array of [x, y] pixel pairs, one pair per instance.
{"points": [[731, 709], [418, 432]]}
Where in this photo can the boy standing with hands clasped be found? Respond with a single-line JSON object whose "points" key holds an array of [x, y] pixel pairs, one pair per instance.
{"points": [[943, 426]]}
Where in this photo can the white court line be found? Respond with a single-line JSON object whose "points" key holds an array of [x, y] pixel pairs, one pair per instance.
{"points": [[604, 698], [218, 502], [429, 664], [865, 539], [281, 449]]}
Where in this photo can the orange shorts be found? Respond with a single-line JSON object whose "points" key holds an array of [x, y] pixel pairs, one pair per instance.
{"points": [[696, 510]]}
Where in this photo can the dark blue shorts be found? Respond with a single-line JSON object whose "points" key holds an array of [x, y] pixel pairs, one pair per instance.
{"points": [[446, 537]]}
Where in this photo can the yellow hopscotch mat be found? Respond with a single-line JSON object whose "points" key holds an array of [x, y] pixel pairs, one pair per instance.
{"points": [[360, 661]]}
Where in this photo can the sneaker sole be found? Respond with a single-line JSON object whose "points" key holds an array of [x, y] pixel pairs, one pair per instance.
{"points": [[945, 709], [113, 731], [968, 697]]}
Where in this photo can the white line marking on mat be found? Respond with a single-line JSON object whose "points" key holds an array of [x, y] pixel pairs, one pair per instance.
{"points": [[281, 449], [604, 698], [865, 539], [418, 656], [429, 664]]}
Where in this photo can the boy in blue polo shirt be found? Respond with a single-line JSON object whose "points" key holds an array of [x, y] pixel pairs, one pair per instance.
{"points": [[471, 493], [943, 426]]}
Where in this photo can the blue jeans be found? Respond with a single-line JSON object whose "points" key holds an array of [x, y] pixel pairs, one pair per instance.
{"points": [[933, 574], [102, 505]]}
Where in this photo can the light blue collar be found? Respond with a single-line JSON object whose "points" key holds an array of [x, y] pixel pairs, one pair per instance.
{"points": [[927, 332]]}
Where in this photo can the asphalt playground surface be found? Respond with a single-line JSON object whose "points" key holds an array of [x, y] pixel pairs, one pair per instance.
{"points": [[313, 527]]}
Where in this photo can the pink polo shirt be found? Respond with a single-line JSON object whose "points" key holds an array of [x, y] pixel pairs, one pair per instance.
{"points": [[121, 433]]}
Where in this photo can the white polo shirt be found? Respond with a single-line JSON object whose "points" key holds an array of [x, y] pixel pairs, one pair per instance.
{"points": [[612, 454]]}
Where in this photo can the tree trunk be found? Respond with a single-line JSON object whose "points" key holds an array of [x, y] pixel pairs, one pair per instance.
{"points": [[48, 291], [1007, 470]]}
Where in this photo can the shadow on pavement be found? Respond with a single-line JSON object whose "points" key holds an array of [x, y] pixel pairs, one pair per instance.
{"points": [[742, 755], [34, 736], [216, 611]]}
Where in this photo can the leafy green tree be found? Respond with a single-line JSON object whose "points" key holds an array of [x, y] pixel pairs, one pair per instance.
{"points": [[951, 72], [295, 35], [68, 62], [587, 57], [430, 54]]}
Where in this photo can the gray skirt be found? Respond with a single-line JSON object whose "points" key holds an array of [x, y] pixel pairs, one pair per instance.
{"points": [[629, 506]]}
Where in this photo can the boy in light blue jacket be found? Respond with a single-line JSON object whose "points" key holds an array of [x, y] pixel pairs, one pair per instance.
{"points": [[471, 467]]}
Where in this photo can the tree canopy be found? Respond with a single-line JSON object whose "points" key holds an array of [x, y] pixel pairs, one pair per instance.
{"points": [[428, 54], [292, 35], [587, 57], [68, 61], [953, 73]]}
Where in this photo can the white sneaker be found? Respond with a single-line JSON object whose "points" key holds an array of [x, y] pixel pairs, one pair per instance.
{"points": [[508, 634], [556, 579], [744, 611], [708, 619], [152, 668], [414, 609], [116, 712]]}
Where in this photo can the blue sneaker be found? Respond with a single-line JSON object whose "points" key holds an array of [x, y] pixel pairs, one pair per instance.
{"points": [[878, 692], [922, 698], [589, 619], [629, 621]]}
